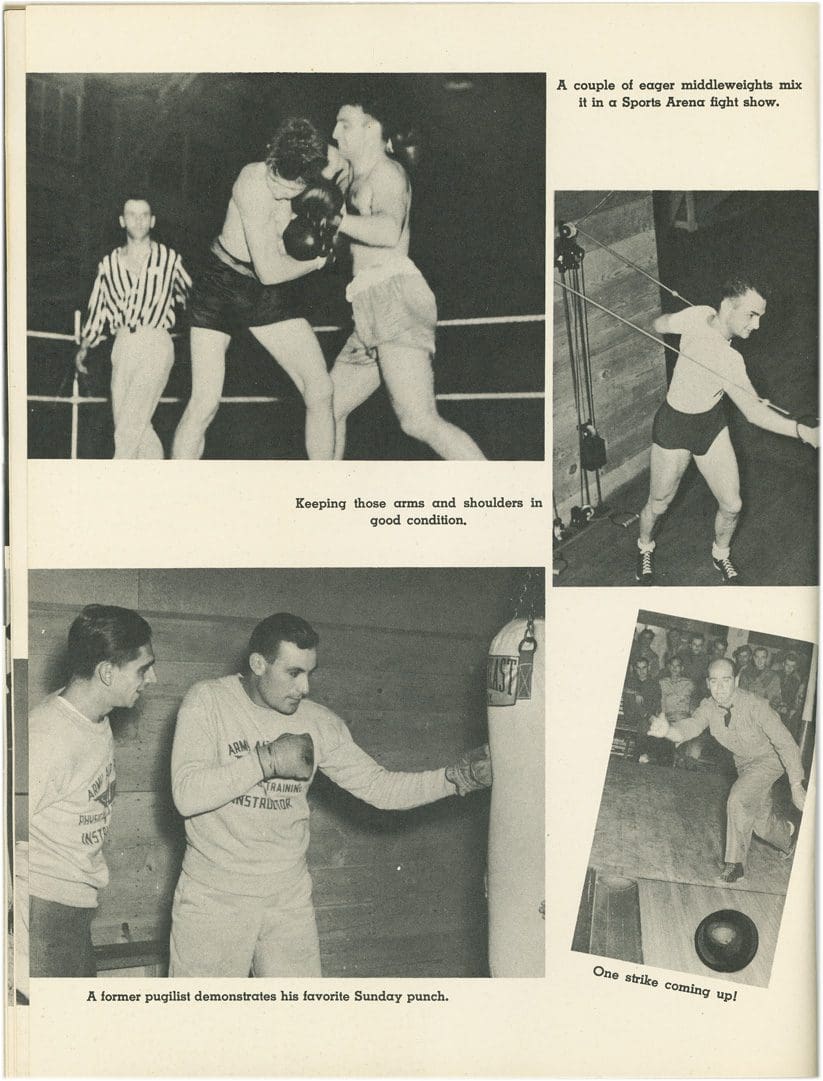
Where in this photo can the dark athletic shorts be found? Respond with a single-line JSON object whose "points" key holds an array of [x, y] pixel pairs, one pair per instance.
{"points": [[224, 299], [60, 940], [696, 432]]}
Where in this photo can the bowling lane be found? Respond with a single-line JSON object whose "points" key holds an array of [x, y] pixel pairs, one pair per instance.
{"points": [[660, 823], [671, 911]]}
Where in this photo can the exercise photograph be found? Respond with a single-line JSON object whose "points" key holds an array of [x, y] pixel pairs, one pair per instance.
{"points": [[282, 773], [286, 266], [685, 334], [703, 800]]}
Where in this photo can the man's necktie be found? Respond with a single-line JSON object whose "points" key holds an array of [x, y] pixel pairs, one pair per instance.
{"points": [[727, 716]]}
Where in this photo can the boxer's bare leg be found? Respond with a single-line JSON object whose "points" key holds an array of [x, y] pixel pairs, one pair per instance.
{"points": [[410, 382], [294, 346], [719, 467], [666, 472], [353, 384], [208, 369]]}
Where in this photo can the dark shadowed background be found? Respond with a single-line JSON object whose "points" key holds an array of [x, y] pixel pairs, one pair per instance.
{"points": [[478, 235]]}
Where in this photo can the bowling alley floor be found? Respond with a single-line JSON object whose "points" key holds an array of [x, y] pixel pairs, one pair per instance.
{"points": [[662, 830]]}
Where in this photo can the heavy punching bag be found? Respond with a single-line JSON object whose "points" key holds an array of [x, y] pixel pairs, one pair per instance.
{"points": [[516, 865]]}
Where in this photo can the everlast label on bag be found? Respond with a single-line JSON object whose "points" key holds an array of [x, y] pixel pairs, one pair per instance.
{"points": [[501, 680], [508, 679]]}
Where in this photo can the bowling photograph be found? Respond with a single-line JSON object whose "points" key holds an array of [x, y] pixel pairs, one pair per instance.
{"points": [[702, 806]]}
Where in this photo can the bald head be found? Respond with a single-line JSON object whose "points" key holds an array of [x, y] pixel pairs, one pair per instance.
{"points": [[721, 681], [722, 665]]}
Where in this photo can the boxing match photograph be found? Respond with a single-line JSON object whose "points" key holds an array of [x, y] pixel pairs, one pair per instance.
{"points": [[281, 773], [702, 805], [285, 266], [685, 412]]}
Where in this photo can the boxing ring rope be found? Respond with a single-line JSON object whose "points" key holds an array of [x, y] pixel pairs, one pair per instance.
{"points": [[75, 399]]}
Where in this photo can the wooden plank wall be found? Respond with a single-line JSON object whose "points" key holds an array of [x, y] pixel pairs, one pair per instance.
{"points": [[397, 894], [628, 370]]}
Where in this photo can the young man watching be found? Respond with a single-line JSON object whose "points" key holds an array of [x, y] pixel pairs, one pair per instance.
{"points": [[72, 784]]}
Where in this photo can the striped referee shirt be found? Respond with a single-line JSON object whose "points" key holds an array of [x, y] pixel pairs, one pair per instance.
{"points": [[121, 298]]}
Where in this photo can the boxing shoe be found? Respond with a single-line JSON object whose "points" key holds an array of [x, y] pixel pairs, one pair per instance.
{"points": [[728, 570], [644, 568]]}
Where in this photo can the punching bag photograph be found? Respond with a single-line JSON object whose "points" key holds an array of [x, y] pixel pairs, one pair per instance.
{"points": [[517, 829]]}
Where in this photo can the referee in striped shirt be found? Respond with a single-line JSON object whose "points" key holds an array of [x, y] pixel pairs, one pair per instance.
{"points": [[135, 293]]}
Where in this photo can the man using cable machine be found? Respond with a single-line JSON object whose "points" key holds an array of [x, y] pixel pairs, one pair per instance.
{"points": [[693, 420]]}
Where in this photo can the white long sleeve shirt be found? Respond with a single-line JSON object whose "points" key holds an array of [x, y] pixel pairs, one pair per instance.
{"points": [[242, 831], [71, 791]]}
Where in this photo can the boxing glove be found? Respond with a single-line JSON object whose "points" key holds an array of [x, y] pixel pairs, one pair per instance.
{"points": [[321, 201], [290, 757], [303, 240], [472, 771]]}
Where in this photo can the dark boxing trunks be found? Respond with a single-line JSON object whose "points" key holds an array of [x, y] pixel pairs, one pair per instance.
{"points": [[695, 432], [227, 300]]}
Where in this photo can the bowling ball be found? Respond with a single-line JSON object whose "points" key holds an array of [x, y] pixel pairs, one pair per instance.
{"points": [[726, 940]]}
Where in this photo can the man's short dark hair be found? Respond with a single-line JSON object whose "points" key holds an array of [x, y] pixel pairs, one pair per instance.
{"points": [[791, 656], [381, 101], [136, 197], [296, 150], [281, 627], [737, 285], [104, 632]]}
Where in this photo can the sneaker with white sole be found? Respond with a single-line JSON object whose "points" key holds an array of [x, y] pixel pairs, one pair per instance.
{"points": [[644, 568], [730, 574]]}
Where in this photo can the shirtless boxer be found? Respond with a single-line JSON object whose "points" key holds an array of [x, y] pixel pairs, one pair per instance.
{"points": [[395, 312], [693, 420], [250, 282]]}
